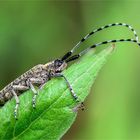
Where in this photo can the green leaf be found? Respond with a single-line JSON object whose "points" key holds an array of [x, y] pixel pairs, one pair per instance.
{"points": [[54, 113]]}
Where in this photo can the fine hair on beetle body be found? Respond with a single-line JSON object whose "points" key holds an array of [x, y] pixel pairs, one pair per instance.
{"points": [[40, 74]]}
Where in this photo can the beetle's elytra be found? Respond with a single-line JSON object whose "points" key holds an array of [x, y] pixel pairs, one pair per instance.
{"points": [[40, 74]]}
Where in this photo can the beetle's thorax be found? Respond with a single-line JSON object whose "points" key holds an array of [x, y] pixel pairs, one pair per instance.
{"points": [[56, 66]]}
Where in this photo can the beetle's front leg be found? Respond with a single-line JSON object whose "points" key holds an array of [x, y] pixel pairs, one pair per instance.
{"points": [[68, 84], [31, 83], [79, 106]]}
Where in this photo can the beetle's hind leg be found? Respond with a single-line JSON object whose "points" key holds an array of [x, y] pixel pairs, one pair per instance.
{"points": [[14, 92]]}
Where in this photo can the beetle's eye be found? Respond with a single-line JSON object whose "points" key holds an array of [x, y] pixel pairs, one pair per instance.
{"points": [[58, 62]]}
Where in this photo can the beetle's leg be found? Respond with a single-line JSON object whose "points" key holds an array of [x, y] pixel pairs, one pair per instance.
{"points": [[42, 86], [35, 95], [32, 81], [20, 87], [17, 103], [79, 106], [17, 88], [69, 85]]}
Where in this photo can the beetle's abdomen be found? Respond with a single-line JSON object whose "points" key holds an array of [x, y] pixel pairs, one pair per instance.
{"points": [[2, 100]]}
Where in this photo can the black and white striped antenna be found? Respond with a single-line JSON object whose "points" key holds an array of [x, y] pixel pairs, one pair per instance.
{"points": [[67, 55], [102, 28], [74, 57]]}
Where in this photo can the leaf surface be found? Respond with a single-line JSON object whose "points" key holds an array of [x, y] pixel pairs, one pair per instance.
{"points": [[54, 113]]}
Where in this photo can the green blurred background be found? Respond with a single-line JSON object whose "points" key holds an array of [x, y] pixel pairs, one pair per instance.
{"points": [[33, 32]]}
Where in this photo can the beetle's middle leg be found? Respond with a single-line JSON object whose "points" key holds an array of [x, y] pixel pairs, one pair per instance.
{"points": [[31, 83], [17, 103]]}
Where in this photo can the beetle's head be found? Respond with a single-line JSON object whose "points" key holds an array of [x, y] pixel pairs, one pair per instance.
{"points": [[59, 65]]}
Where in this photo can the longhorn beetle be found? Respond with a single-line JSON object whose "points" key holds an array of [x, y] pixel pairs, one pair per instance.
{"points": [[40, 74]]}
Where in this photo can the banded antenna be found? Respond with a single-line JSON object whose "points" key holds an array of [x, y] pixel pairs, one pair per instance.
{"points": [[74, 57], [67, 55]]}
